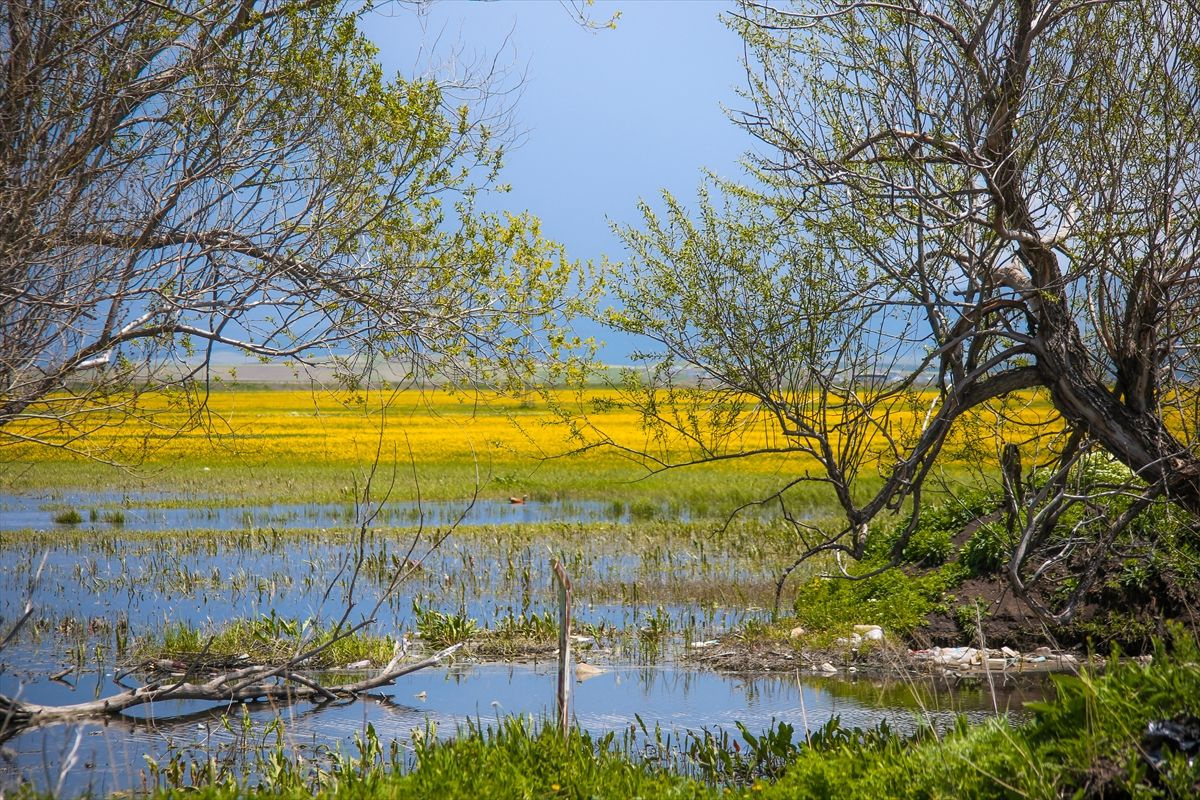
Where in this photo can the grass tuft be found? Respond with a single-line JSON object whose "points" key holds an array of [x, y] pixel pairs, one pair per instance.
{"points": [[269, 639]]}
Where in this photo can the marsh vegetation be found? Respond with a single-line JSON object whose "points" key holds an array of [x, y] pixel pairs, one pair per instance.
{"points": [[144, 584]]}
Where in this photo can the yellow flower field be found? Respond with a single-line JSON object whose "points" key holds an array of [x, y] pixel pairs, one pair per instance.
{"points": [[293, 425]]}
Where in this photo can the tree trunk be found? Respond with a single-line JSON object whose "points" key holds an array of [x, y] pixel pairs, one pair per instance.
{"points": [[1137, 438]]}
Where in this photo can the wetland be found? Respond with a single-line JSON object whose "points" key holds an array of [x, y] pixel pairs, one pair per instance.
{"points": [[178, 570], [109, 596]]}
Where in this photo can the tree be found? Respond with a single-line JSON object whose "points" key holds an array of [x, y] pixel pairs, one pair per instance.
{"points": [[951, 207], [184, 177]]}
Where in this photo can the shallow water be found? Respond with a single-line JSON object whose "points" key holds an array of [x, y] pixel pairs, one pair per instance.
{"points": [[95, 584], [97, 590], [149, 512], [113, 756]]}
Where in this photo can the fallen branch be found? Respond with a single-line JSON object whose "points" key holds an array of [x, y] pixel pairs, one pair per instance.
{"points": [[259, 682]]}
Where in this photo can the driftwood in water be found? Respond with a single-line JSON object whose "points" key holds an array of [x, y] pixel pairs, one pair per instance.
{"points": [[259, 682]]}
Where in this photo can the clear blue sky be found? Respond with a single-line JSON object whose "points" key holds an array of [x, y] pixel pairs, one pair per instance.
{"points": [[608, 116]]}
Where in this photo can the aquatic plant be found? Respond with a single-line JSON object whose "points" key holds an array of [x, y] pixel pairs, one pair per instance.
{"points": [[656, 626], [439, 629], [263, 640], [538, 627], [69, 516]]}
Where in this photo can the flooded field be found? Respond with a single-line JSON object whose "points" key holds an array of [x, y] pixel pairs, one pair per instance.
{"points": [[150, 512], [644, 592]]}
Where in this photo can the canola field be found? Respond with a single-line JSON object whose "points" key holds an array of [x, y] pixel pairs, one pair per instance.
{"points": [[268, 444]]}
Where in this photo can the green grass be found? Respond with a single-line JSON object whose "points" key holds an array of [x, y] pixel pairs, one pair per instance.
{"points": [[895, 600], [68, 517], [899, 598], [269, 639], [711, 490]]}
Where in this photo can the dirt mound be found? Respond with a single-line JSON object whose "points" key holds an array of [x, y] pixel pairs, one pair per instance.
{"points": [[1129, 617]]}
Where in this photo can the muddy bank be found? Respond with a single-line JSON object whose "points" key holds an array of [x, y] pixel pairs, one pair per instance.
{"points": [[1129, 617], [886, 659]]}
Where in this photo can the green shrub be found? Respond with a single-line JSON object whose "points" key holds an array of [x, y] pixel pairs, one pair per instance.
{"points": [[893, 599], [987, 551], [930, 543], [969, 615], [928, 546]]}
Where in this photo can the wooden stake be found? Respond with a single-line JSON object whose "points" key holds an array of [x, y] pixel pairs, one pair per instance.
{"points": [[564, 645]]}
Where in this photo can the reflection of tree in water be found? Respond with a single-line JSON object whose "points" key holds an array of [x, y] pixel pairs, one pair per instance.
{"points": [[953, 694], [236, 743], [669, 682]]}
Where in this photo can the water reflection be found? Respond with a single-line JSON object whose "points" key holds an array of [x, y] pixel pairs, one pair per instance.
{"points": [[101, 589], [113, 755], [152, 512]]}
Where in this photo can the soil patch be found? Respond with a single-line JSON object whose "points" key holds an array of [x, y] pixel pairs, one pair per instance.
{"points": [[1006, 620], [1128, 617]]}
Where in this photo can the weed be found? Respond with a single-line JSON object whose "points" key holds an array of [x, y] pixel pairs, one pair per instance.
{"points": [[987, 550], [755, 629], [968, 615], [538, 627], [440, 630], [656, 626], [644, 510], [68, 517], [894, 599], [269, 639]]}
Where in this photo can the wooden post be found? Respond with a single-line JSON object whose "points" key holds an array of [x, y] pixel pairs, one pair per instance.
{"points": [[564, 645]]}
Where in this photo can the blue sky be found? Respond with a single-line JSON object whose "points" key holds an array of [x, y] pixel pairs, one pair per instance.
{"points": [[607, 116]]}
